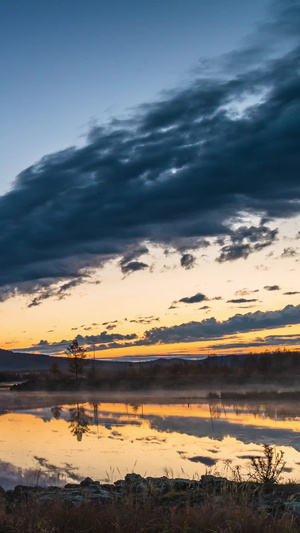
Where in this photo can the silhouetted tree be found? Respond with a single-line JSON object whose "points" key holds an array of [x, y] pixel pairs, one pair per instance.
{"points": [[56, 411], [77, 356], [79, 422], [95, 406], [54, 369]]}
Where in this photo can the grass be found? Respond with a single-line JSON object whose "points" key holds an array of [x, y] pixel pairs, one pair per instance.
{"points": [[232, 507], [215, 515]]}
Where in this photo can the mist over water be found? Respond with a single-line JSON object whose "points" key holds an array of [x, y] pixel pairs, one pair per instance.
{"points": [[54, 439]]}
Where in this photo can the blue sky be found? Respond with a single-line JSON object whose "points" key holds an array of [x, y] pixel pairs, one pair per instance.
{"points": [[67, 63]]}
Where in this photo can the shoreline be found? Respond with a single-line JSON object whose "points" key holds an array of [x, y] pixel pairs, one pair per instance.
{"points": [[135, 502]]}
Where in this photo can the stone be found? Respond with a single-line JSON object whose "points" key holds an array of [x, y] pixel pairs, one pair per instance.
{"points": [[208, 480], [181, 484], [294, 507], [133, 478], [86, 482]]}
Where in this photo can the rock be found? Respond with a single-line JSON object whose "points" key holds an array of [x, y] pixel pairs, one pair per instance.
{"points": [[159, 485], [119, 483], [87, 482], [159, 491], [293, 507], [100, 497], [181, 484], [133, 478], [213, 482]]}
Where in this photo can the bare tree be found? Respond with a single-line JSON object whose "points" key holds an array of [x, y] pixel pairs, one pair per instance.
{"points": [[77, 356]]}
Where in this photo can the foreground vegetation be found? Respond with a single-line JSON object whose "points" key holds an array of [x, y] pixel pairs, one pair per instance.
{"points": [[137, 504], [216, 514]]}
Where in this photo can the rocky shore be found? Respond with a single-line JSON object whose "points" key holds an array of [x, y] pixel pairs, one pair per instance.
{"points": [[139, 504], [275, 499]]}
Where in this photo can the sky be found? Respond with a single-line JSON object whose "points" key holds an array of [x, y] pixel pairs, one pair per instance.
{"points": [[149, 176]]}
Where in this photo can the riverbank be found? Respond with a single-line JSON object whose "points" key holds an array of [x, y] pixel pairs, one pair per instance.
{"points": [[137, 504]]}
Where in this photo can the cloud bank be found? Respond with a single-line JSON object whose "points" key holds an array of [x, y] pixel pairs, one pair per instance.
{"points": [[205, 330], [180, 170]]}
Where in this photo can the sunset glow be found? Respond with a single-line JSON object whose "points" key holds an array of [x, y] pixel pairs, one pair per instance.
{"points": [[150, 192]]}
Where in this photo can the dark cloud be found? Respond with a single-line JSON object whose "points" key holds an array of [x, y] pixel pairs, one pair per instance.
{"points": [[204, 307], [43, 474], [145, 320], [45, 289], [101, 341], [208, 461], [43, 343], [245, 241], [269, 340], [241, 301], [134, 266], [289, 252], [109, 325], [129, 264], [187, 261], [197, 427], [245, 292], [181, 169], [104, 338], [291, 293], [212, 329], [199, 297], [187, 244], [269, 37], [272, 287], [208, 329]]}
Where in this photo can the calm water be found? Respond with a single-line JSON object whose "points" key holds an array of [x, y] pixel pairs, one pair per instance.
{"points": [[54, 439]]}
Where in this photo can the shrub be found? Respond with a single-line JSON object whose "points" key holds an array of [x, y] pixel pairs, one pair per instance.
{"points": [[267, 469]]}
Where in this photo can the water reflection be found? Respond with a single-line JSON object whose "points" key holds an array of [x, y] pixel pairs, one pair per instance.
{"points": [[56, 411], [187, 438], [79, 421], [95, 406]]}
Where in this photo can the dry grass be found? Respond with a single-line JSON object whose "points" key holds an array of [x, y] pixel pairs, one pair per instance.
{"points": [[221, 514]]}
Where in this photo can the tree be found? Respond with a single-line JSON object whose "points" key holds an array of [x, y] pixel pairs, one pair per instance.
{"points": [[56, 411], [79, 422], [54, 369], [77, 356]]}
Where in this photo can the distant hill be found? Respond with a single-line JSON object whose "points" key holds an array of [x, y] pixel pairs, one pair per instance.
{"points": [[25, 362], [22, 362]]}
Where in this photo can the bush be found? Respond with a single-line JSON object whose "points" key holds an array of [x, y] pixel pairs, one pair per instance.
{"points": [[267, 469]]}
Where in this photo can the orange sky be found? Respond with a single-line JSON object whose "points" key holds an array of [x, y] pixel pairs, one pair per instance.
{"points": [[141, 301]]}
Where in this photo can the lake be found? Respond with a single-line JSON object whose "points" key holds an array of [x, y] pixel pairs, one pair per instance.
{"points": [[54, 439]]}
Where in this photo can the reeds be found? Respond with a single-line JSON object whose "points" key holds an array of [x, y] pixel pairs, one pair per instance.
{"points": [[224, 513]]}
